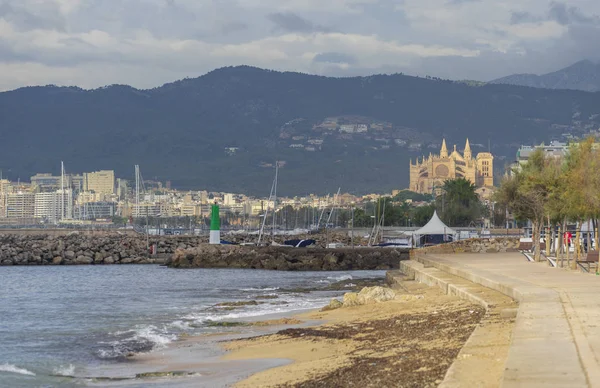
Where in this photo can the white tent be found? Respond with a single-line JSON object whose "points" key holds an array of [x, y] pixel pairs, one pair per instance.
{"points": [[435, 227]]}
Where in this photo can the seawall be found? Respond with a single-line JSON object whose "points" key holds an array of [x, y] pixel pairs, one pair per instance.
{"points": [[288, 258], [86, 248]]}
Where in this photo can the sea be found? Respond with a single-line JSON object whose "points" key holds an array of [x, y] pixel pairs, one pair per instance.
{"points": [[59, 325]]}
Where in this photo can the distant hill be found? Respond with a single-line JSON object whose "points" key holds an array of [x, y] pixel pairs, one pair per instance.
{"points": [[583, 75], [223, 131]]}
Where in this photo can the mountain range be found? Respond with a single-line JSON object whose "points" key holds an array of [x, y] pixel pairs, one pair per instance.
{"points": [[224, 131], [583, 75]]}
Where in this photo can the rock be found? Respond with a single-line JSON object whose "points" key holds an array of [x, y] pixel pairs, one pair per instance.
{"points": [[69, 255], [109, 260], [127, 260], [83, 260], [57, 260], [351, 299], [375, 295], [334, 304]]}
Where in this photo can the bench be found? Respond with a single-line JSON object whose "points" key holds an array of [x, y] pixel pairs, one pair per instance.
{"points": [[525, 246], [591, 258]]}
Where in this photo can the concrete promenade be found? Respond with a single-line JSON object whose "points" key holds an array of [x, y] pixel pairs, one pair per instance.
{"points": [[556, 337]]}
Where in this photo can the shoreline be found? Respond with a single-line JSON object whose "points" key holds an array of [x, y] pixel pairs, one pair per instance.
{"points": [[421, 332]]}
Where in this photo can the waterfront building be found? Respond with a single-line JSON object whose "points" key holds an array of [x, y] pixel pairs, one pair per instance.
{"points": [[54, 206], [95, 210], [100, 181], [45, 181], [4, 185], [429, 174], [19, 205], [146, 209]]}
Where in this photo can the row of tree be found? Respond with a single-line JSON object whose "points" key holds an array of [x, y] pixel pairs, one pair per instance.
{"points": [[552, 191]]}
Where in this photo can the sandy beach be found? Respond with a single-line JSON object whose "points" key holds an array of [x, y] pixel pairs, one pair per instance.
{"points": [[410, 341], [407, 342]]}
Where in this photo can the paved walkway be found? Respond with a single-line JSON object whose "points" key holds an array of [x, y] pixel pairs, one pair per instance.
{"points": [[556, 339]]}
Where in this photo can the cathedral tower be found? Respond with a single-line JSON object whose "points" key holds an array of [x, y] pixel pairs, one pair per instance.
{"points": [[467, 154], [444, 150]]}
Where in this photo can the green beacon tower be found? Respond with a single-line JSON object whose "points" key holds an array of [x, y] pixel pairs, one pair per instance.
{"points": [[215, 225]]}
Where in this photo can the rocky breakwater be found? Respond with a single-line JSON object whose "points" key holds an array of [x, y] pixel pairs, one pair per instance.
{"points": [[77, 248], [473, 245], [287, 258]]}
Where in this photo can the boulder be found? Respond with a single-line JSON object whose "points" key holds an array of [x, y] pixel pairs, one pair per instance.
{"points": [[69, 255], [57, 260], [375, 295], [109, 260], [334, 304], [83, 260], [351, 299]]}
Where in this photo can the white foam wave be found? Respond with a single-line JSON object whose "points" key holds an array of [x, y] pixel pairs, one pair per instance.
{"points": [[67, 371], [154, 335], [182, 325], [138, 340], [294, 304], [340, 278], [260, 289], [15, 369]]}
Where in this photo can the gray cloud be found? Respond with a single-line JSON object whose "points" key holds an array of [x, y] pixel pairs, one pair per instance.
{"points": [[564, 15], [291, 22], [234, 26], [333, 57], [457, 2], [45, 16], [147, 42], [519, 17]]}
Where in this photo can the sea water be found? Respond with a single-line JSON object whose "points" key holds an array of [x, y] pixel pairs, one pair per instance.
{"points": [[58, 321]]}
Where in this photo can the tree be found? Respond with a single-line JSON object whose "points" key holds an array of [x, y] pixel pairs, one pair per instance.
{"points": [[529, 192], [459, 204], [422, 214]]}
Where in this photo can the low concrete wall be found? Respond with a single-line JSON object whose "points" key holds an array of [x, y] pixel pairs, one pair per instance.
{"points": [[473, 245]]}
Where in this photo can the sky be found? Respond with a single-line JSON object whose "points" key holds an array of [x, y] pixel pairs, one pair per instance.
{"points": [[146, 43]]}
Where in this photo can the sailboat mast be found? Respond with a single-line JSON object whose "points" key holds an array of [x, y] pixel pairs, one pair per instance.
{"points": [[275, 200], [62, 191], [264, 220], [137, 190]]}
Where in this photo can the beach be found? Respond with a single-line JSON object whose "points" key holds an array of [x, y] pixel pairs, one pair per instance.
{"points": [[222, 328], [410, 341]]}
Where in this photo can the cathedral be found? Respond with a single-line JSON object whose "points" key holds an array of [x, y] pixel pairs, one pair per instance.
{"points": [[430, 173]]}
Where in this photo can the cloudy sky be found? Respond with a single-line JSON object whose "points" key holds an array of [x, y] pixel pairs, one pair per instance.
{"points": [[146, 43]]}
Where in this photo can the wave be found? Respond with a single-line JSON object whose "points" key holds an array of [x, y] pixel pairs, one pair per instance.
{"points": [[139, 340], [66, 371], [293, 304], [340, 278], [260, 289], [15, 369]]}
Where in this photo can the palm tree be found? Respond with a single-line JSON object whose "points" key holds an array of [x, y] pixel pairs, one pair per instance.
{"points": [[459, 204]]}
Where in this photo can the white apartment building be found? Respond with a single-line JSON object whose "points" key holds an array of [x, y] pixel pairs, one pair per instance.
{"points": [[54, 206]]}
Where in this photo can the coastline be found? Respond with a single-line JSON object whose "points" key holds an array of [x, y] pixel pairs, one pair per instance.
{"points": [[420, 333]]}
